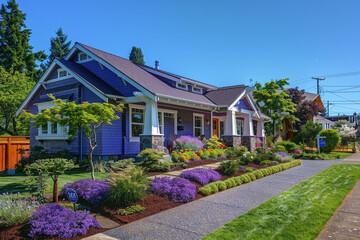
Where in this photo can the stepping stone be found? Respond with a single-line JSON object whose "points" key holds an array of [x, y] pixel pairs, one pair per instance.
{"points": [[100, 236], [106, 222], [162, 175], [175, 173]]}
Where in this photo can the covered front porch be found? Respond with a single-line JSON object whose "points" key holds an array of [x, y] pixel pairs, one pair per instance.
{"points": [[156, 124]]}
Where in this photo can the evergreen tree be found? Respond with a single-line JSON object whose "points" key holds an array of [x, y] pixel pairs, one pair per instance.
{"points": [[15, 50], [137, 56], [59, 48]]}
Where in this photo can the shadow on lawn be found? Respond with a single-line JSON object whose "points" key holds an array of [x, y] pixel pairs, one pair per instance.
{"points": [[12, 188]]}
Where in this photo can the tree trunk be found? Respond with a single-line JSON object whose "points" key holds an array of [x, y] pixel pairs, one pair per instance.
{"points": [[91, 164], [55, 190]]}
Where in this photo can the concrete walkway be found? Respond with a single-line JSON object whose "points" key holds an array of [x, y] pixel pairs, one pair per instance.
{"points": [[196, 219], [345, 224]]}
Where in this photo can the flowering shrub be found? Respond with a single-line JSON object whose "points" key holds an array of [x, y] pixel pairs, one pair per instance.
{"points": [[298, 151], [187, 142], [56, 221], [214, 143], [257, 142], [283, 157], [201, 175], [183, 156], [16, 210], [177, 189], [91, 192]]}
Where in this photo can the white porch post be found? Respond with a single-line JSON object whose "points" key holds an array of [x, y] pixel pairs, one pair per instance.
{"points": [[230, 126], [248, 126], [151, 122], [260, 129]]}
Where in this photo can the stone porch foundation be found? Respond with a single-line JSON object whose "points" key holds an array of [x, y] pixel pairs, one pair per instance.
{"points": [[155, 142], [232, 140], [249, 142]]}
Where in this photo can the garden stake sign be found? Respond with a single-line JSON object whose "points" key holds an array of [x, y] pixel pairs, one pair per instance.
{"points": [[72, 196], [320, 143]]}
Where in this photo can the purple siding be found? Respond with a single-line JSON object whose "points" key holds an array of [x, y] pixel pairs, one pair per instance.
{"points": [[62, 83], [242, 104], [111, 78], [168, 129]]}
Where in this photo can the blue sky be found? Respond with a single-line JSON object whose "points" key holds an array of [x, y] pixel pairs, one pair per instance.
{"points": [[220, 42]]}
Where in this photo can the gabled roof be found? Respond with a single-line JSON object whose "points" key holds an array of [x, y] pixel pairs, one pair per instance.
{"points": [[225, 96], [310, 96], [89, 77], [145, 79]]}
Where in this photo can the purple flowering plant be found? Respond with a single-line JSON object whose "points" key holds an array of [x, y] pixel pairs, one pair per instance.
{"points": [[257, 142], [90, 192], [56, 221], [177, 189], [298, 150], [188, 142], [283, 154], [201, 175]]}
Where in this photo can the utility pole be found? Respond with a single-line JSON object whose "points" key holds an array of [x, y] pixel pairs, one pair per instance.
{"points": [[318, 85]]}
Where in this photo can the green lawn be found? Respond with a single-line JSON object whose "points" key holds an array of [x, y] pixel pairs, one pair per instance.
{"points": [[15, 183], [298, 213], [337, 155]]}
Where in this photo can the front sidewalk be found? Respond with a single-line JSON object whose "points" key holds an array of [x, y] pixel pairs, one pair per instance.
{"points": [[345, 223], [196, 219]]}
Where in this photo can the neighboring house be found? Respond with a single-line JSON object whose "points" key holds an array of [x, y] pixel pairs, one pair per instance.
{"points": [[158, 106], [352, 119], [288, 131], [323, 122]]}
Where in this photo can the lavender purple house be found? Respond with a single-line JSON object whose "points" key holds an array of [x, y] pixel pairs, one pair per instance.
{"points": [[158, 105]]}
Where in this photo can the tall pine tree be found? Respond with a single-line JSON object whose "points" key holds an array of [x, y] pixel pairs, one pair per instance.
{"points": [[59, 48], [15, 51], [137, 56]]}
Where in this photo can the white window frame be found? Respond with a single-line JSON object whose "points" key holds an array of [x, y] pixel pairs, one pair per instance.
{"points": [[62, 70], [180, 87], [200, 90], [131, 106], [61, 132], [238, 130], [162, 111], [202, 125], [88, 58]]}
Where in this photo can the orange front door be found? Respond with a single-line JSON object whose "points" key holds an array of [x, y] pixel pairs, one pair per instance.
{"points": [[216, 127]]}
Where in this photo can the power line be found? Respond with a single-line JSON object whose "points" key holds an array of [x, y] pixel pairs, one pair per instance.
{"points": [[344, 97], [318, 83]]}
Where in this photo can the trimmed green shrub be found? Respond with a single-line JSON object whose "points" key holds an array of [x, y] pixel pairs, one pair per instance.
{"points": [[213, 187], [229, 167], [258, 174], [205, 190], [332, 139], [252, 176], [238, 180], [221, 185], [246, 178], [229, 183], [289, 146], [249, 169], [130, 210]]}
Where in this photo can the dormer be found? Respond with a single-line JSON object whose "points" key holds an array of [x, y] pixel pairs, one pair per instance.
{"points": [[83, 57]]}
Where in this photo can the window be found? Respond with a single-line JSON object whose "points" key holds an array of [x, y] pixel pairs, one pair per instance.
{"points": [[137, 122], [160, 122], [198, 125], [51, 130], [62, 73], [197, 90], [54, 128], [255, 127], [222, 128], [82, 57], [182, 86], [239, 126]]}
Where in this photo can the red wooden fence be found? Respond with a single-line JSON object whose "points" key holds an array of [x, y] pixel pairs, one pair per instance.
{"points": [[12, 149]]}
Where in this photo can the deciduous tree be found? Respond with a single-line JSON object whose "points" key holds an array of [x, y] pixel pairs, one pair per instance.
{"points": [[85, 117]]}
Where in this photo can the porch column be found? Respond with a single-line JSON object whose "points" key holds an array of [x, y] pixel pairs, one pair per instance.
{"points": [[230, 138], [151, 137], [261, 131], [248, 138]]}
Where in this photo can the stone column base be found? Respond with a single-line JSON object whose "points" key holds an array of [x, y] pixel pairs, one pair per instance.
{"points": [[232, 140], [249, 142], [155, 142]]}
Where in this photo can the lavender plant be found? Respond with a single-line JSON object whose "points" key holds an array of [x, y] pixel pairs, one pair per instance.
{"points": [[54, 220], [201, 175], [91, 192], [283, 157], [177, 189], [14, 209], [188, 142]]}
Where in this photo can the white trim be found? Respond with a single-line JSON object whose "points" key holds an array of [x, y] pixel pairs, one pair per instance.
{"points": [[60, 134], [131, 106], [90, 87], [252, 105], [192, 89], [88, 58], [186, 86], [237, 100], [186, 101], [52, 137], [202, 124], [113, 69], [61, 70]]}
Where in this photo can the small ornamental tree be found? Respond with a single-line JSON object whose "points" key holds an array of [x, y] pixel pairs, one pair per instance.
{"points": [[86, 117], [308, 133], [53, 167], [332, 139]]}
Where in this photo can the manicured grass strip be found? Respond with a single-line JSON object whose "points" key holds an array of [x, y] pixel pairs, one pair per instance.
{"points": [[298, 213], [245, 178], [15, 183]]}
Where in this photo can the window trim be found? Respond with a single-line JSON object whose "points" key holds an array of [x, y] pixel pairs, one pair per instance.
{"points": [[182, 88], [62, 70], [88, 58], [238, 131], [202, 123], [200, 90], [131, 106]]}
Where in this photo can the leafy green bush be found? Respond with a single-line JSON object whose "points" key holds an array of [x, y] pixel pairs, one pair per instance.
{"points": [[289, 146], [221, 185], [230, 183], [247, 158], [152, 161], [264, 156], [245, 178], [258, 174], [228, 167], [236, 152], [252, 176], [213, 187], [249, 169], [280, 148], [121, 164], [127, 187], [265, 163], [332, 139], [130, 210], [205, 190]]}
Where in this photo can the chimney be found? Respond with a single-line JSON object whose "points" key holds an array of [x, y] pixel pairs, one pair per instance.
{"points": [[157, 64]]}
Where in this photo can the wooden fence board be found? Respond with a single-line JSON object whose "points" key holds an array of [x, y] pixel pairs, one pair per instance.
{"points": [[12, 150]]}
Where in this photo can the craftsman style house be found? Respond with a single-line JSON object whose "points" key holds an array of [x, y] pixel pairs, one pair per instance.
{"points": [[159, 106]]}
